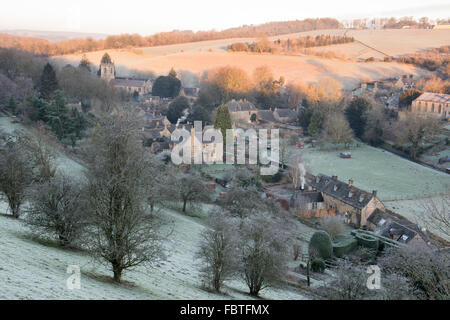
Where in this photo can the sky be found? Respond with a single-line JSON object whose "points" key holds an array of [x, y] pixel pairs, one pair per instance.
{"points": [[151, 16]]}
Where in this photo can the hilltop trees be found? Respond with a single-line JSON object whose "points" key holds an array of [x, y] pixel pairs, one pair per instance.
{"points": [[123, 234]]}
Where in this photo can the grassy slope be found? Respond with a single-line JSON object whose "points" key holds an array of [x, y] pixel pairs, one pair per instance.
{"points": [[31, 269]]}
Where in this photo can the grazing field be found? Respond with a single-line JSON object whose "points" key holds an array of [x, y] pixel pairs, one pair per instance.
{"points": [[403, 185], [397, 42], [393, 177]]}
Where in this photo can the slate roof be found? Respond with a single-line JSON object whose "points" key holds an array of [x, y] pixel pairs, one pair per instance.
{"points": [[125, 82], [240, 105], [434, 97], [266, 115], [341, 190], [286, 113], [307, 196], [392, 225]]}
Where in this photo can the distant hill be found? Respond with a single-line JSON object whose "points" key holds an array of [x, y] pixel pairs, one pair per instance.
{"points": [[54, 36], [38, 44]]}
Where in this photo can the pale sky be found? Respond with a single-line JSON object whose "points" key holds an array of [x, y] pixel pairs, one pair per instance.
{"points": [[150, 16]]}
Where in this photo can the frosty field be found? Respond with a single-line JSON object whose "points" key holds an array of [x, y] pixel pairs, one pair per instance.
{"points": [[393, 177], [32, 270]]}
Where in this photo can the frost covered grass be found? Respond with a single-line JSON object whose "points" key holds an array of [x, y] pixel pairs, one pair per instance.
{"points": [[33, 270], [395, 178]]}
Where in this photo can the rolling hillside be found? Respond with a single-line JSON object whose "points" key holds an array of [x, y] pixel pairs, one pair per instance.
{"points": [[201, 56]]}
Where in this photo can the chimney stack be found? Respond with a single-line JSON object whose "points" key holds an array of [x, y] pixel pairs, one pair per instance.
{"points": [[350, 182], [334, 177], [374, 193]]}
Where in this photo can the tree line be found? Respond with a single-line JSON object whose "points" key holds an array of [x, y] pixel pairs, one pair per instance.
{"points": [[47, 48], [290, 45]]}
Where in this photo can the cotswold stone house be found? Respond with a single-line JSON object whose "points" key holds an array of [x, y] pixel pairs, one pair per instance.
{"points": [[285, 115], [326, 195], [354, 204], [391, 225], [241, 110], [436, 104]]}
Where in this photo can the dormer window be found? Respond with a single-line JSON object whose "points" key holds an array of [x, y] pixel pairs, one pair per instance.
{"points": [[382, 221], [361, 198], [335, 187], [350, 194]]}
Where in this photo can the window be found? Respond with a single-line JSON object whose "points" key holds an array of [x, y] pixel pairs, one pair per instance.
{"points": [[381, 222]]}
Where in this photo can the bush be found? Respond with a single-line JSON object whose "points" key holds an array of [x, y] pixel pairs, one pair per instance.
{"points": [[318, 265], [344, 247], [321, 245], [56, 209], [368, 241], [273, 178], [333, 225]]}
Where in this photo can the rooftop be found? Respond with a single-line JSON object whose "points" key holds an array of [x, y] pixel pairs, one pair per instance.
{"points": [[341, 190], [434, 97]]}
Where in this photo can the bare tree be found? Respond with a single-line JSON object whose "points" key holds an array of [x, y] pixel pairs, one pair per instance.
{"points": [[124, 234], [427, 270], [39, 145], [16, 175], [348, 284], [338, 131], [56, 208], [191, 189], [218, 251], [435, 213], [242, 202], [264, 254], [333, 225], [414, 131]]}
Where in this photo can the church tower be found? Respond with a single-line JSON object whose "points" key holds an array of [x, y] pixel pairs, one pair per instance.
{"points": [[107, 69]]}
